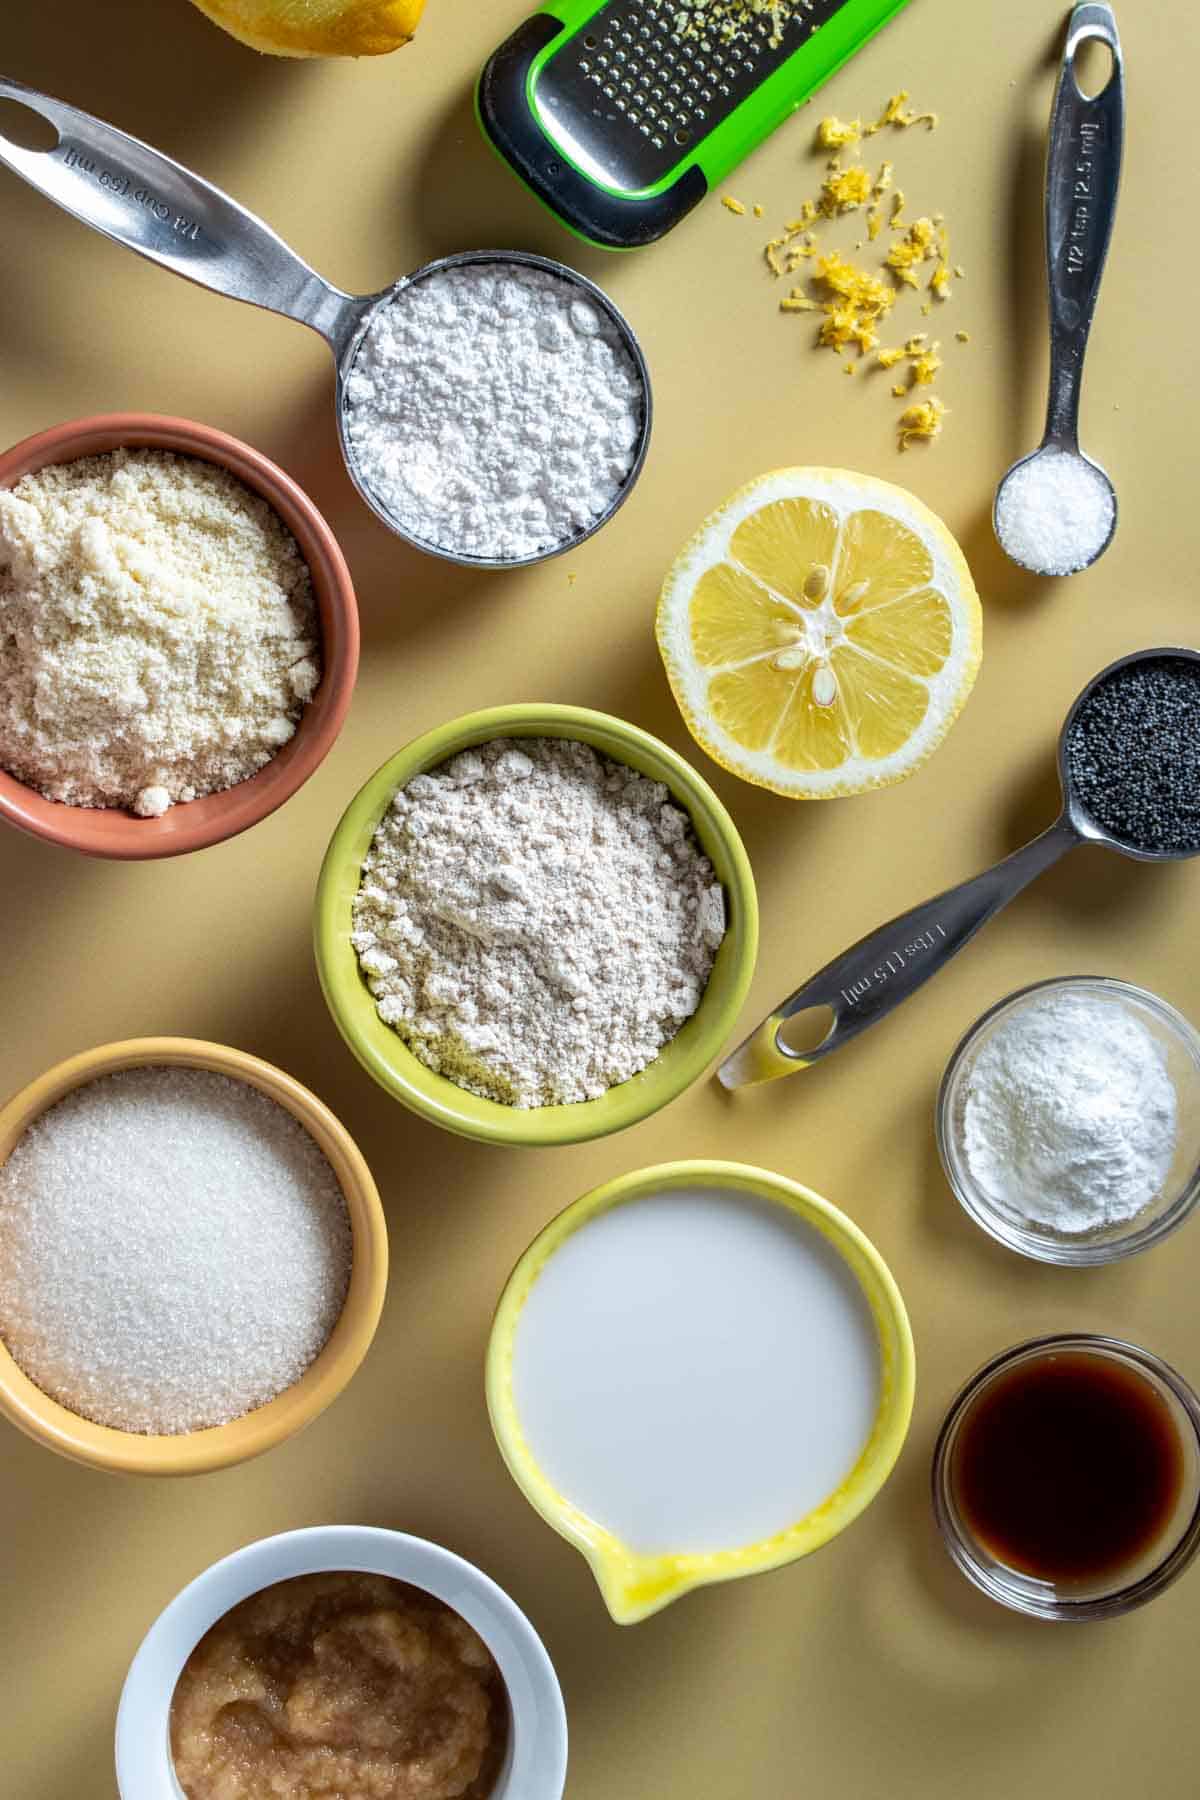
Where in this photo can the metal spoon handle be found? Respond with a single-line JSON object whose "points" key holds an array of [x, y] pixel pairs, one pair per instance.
{"points": [[1083, 172], [141, 199], [867, 981]]}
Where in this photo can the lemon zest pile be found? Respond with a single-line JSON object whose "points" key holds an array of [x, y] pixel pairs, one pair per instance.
{"points": [[854, 302], [923, 357], [838, 134], [845, 191], [833, 134], [858, 302], [921, 421], [896, 113], [734, 206], [926, 365], [919, 244], [729, 21]]}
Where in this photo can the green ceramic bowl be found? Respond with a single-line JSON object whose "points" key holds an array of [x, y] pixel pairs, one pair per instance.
{"points": [[384, 1054]]}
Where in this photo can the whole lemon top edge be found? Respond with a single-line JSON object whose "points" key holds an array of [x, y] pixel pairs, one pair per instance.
{"points": [[317, 27]]}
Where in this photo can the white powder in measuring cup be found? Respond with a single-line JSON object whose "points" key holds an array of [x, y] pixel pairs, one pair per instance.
{"points": [[1069, 1119], [1054, 513], [493, 410], [535, 921]]}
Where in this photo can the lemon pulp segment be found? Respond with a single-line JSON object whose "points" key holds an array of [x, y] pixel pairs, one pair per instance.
{"points": [[821, 632]]}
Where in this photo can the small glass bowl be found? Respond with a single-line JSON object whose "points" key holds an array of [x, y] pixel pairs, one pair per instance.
{"points": [[1076, 1602], [1180, 1044]]}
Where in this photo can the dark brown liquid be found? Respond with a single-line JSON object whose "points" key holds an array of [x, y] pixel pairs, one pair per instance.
{"points": [[1068, 1467]]}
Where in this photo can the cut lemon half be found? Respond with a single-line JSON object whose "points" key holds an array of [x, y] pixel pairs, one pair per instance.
{"points": [[821, 632], [317, 27]]}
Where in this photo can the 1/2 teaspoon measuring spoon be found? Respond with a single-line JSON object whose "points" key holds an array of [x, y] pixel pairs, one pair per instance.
{"points": [[871, 979], [1083, 171]]}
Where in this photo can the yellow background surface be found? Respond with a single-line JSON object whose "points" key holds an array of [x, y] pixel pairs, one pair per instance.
{"points": [[873, 1668]]}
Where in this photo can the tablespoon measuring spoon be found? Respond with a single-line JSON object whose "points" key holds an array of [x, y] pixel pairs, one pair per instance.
{"points": [[868, 981], [142, 199], [1078, 503]]}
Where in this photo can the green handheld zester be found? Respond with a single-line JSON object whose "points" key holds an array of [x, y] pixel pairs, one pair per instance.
{"points": [[620, 115]]}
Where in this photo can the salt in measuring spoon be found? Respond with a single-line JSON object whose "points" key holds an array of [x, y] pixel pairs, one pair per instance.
{"points": [[1083, 170], [150, 204], [868, 981]]}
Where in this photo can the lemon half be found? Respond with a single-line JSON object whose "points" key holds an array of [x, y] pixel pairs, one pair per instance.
{"points": [[317, 27], [821, 632]]}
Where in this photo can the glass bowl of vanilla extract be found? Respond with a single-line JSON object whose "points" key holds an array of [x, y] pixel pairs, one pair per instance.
{"points": [[1066, 1477]]}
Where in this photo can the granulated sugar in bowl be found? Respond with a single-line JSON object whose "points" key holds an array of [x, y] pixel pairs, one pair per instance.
{"points": [[457, 966], [192, 1256]]}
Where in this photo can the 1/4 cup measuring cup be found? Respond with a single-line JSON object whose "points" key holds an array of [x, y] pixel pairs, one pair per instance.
{"points": [[869, 980], [142, 199]]}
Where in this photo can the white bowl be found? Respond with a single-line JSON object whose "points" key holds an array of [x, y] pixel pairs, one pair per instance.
{"points": [[535, 1766]]}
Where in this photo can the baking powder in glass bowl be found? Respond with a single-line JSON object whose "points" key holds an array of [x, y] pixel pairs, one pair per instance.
{"points": [[1069, 1120]]}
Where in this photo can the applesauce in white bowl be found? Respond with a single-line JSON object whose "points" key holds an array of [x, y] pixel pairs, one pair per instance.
{"points": [[533, 1752]]}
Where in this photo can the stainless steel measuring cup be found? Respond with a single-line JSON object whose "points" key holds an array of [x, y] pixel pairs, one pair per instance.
{"points": [[869, 980], [145, 201]]}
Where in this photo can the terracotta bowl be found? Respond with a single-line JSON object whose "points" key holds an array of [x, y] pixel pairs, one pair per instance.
{"points": [[219, 1446], [195, 825]]}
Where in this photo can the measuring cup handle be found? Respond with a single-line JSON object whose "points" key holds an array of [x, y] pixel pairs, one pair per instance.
{"points": [[1083, 172], [143, 200], [871, 978]]}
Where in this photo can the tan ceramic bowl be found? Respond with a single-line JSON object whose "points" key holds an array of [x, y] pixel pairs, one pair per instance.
{"points": [[98, 831], [197, 1452]]}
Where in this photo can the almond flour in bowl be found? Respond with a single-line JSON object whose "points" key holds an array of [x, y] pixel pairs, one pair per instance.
{"points": [[159, 638]]}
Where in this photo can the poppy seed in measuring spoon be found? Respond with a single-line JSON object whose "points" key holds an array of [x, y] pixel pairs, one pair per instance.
{"points": [[539, 448], [1131, 753], [494, 408]]}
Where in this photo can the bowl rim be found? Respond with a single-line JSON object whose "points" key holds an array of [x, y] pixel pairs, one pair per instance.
{"points": [[1039, 1246], [537, 1763], [106, 1447], [632, 1585], [1056, 1608], [232, 810], [435, 1097]]}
